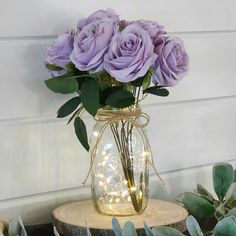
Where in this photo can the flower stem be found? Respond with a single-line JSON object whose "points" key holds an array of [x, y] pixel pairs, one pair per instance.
{"points": [[123, 138]]}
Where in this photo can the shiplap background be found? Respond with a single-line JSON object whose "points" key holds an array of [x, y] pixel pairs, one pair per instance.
{"points": [[42, 164]]}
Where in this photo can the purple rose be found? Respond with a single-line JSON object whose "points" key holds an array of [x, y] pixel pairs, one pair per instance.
{"points": [[153, 28], [98, 15], [172, 62], [130, 54], [91, 44], [59, 52]]}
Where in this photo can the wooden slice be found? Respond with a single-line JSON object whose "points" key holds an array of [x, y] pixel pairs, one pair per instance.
{"points": [[4, 224], [70, 219]]}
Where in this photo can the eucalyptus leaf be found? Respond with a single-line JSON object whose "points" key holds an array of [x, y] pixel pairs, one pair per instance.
{"points": [[196, 205], [230, 195], [155, 90], [88, 233], [23, 231], [14, 227], [116, 227], [232, 212], [120, 99], [203, 191], [81, 132], [220, 210], [90, 96], [210, 200], [68, 107], [129, 229], [225, 227], [193, 227], [166, 231], [234, 175], [148, 231], [222, 178], [62, 84], [55, 231]]}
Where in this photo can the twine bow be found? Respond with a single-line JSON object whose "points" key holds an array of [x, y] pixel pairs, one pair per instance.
{"points": [[135, 117]]}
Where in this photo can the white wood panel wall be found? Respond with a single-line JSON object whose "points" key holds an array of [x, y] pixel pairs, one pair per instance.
{"points": [[42, 164]]}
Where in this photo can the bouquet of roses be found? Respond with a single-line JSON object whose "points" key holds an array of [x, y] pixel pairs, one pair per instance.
{"points": [[112, 63]]}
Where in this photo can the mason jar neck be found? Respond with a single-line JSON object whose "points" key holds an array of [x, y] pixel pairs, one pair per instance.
{"points": [[132, 111]]}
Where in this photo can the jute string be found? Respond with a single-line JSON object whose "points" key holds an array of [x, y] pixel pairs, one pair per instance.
{"points": [[136, 118]]}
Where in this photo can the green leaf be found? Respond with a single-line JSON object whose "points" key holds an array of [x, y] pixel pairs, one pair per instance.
{"points": [[225, 227], [129, 229], [234, 175], [143, 81], [116, 227], [230, 195], [120, 99], [77, 112], [16, 227], [157, 91], [203, 191], [148, 231], [54, 67], [105, 93], [71, 68], [68, 107], [166, 231], [222, 178], [146, 82], [196, 205], [81, 132], [62, 84], [90, 96], [193, 227], [138, 82], [232, 212]]}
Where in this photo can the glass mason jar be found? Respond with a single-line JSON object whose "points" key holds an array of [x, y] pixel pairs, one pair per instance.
{"points": [[120, 155]]}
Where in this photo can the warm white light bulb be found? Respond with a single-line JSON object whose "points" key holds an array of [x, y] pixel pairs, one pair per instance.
{"points": [[132, 189], [117, 200]]}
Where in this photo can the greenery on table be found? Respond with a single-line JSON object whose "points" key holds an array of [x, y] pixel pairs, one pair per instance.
{"points": [[217, 216], [207, 209], [225, 227]]}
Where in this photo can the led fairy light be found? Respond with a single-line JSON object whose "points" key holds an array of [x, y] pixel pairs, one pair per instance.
{"points": [[95, 134]]}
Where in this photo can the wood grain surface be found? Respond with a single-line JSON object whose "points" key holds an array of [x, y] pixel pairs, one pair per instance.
{"points": [[71, 219]]}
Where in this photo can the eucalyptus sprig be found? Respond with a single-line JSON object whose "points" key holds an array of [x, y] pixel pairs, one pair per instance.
{"points": [[211, 208]]}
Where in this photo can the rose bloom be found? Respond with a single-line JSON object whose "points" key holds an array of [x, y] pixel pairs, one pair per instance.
{"points": [[59, 52], [91, 44], [130, 54], [98, 15], [153, 28], [172, 62]]}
